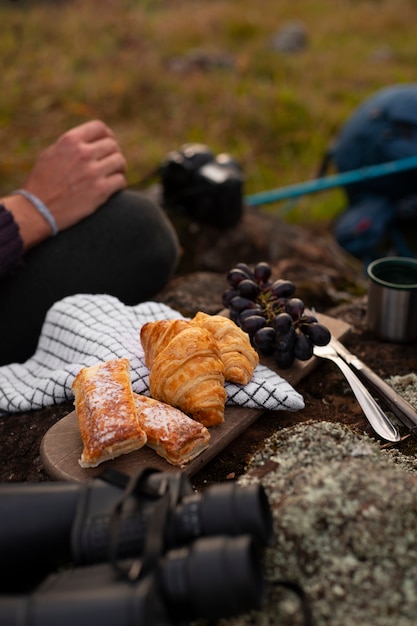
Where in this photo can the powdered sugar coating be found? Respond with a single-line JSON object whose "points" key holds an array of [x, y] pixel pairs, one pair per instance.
{"points": [[173, 434], [106, 411]]}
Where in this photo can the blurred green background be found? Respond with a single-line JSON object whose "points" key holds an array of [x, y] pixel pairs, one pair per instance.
{"points": [[162, 73]]}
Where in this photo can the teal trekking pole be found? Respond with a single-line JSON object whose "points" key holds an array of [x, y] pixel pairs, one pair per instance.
{"points": [[330, 182]]}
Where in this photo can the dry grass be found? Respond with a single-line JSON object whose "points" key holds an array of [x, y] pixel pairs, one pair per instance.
{"points": [[67, 61]]}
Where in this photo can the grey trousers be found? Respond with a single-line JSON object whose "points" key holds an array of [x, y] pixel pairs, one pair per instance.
{"points": [[127, 249]]}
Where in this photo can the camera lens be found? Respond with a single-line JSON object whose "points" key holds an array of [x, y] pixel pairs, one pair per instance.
{"points": [[224, 509], [215, 577]]}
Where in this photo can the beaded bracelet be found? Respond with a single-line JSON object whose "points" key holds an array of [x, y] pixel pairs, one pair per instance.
{"points": [[39, 205]]}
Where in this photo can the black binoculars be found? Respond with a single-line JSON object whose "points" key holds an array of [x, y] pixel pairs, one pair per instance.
{"points": [[130, 551]]}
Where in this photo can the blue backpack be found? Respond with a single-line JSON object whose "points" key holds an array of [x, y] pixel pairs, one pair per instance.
{"points": [[382, 129]]}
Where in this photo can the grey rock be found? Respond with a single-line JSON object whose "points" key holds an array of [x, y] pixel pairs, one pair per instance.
{"points": [[291, 38]]}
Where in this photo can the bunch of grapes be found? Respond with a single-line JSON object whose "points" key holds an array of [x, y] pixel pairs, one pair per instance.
{"points": [[272, 315]]}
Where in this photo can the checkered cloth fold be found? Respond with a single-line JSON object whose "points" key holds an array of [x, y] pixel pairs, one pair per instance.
{"points": [[82, 330]]}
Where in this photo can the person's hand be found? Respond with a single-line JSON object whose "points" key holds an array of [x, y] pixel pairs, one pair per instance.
{"points": [[77, 173], [72, 177]]}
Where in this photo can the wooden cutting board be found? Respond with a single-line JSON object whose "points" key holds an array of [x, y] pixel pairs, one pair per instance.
{"points": [[61, 446]]}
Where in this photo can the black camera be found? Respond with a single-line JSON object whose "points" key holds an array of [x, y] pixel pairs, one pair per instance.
{"points": [[202, 186], [132, 551]]}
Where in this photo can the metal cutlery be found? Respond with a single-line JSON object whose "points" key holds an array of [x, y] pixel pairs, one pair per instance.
{"points": [[398, 405], [381, 424]]}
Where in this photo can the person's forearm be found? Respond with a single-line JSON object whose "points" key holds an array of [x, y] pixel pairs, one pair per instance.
{"points": [[33, 227], [11, 244]]}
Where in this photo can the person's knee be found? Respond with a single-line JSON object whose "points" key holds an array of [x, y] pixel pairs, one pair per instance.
{"points": [[127, 249], [142, 240]]}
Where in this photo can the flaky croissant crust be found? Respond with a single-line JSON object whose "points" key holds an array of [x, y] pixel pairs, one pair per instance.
{"points": [[189, 374], [155, 336], [236, 351]]}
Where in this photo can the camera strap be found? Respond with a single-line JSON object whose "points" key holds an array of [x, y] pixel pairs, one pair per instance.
{"points": [[300, 592], [154, 542]]}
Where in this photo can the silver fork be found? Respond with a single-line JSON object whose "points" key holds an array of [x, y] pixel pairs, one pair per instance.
{"points": [[381, 424]]}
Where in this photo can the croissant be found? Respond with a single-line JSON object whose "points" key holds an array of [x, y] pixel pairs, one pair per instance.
{"points": [[156, 335], [189, 374], [106, 412], [173, 435], [237, 354]]}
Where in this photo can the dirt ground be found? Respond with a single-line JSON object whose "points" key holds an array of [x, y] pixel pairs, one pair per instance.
{"points": [[319, 270]]}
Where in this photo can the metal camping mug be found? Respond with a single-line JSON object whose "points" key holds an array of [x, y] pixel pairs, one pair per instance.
{"points": [[392, 299]]}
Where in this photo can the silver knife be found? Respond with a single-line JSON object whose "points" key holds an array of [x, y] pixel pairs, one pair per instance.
{"points": [[380, 422], [398, 405]]}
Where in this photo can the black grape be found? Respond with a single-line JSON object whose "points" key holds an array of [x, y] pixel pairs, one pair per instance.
{"points": [[282, 288], [295, 307], [284, 359], [252, 323], [282, 322], [228, 295], [235, 276], [319, 334], [248, 288], [244, 267], [264, 340], [303, 347], [285, 341], [238, 303], [262, 272], [308, 319], [248, 312]]}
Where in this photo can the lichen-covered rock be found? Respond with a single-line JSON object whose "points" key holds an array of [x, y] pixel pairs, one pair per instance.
{"points": [[345, 520]]}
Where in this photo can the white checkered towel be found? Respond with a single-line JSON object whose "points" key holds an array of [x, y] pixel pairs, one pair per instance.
{"points": [[82, 330]]}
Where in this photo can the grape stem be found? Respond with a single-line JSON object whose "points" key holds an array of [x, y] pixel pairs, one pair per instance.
{"points": [[271, 305]]}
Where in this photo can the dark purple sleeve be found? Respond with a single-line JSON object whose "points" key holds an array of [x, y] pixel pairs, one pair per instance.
{"points": [[11, 244]]}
